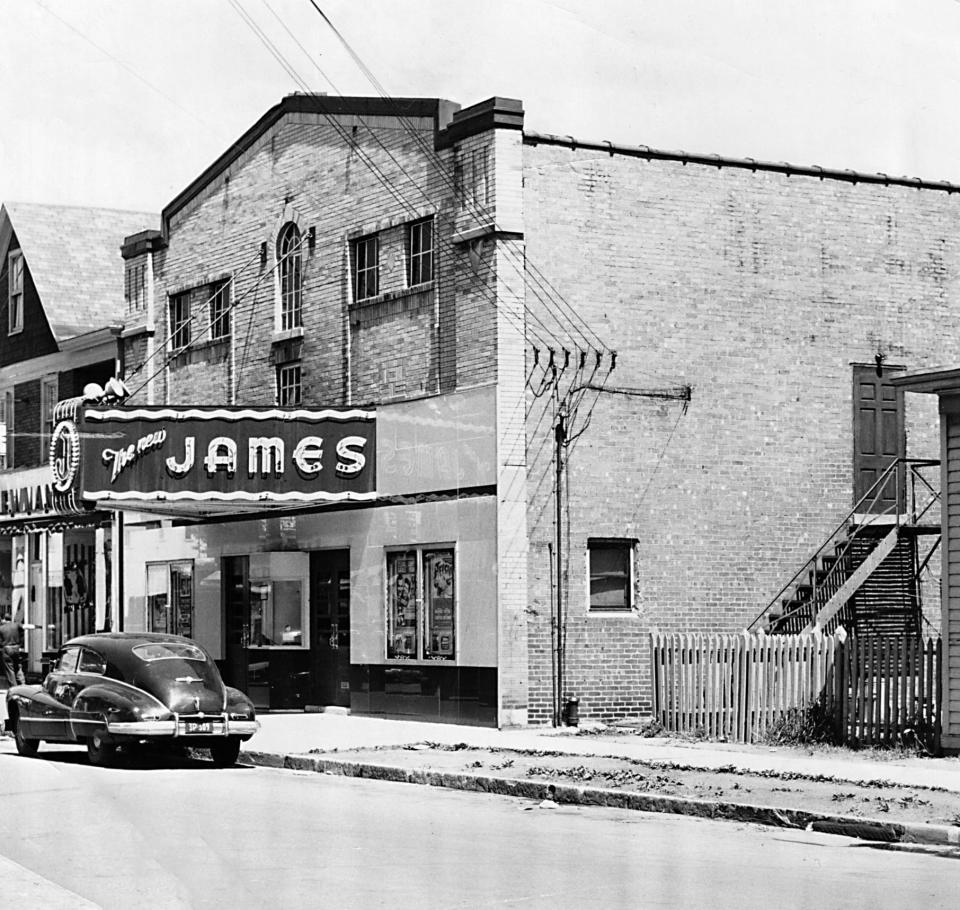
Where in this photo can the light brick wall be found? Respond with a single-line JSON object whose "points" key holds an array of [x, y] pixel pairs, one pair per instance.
{"points": [[303, 170], [760, 291]]}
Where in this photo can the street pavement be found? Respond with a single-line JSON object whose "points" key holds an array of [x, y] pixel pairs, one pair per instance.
{"points": [[288, 739], [298, 733]]}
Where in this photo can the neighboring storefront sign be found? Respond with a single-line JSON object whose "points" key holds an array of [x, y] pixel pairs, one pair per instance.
{"points": [[212, 454]]}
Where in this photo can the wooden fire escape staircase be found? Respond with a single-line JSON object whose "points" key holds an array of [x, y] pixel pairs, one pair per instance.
{"points": [[866, 575]]}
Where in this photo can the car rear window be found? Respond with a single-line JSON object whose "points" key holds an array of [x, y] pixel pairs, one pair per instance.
{"points": [[167, 650]]}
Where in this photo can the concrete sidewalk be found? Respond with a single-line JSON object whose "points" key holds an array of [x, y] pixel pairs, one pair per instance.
{"points": [[299, 734]]}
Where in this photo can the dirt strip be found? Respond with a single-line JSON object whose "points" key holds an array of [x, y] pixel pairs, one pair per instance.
{"points": [[797, 794]]}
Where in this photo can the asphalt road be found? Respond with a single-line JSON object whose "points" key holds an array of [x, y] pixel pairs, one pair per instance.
{"points": [[187, 835]]}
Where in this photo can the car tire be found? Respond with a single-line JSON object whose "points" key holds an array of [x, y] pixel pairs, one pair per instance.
{"points": [[100, 752], [27, 747], [225, 752]]}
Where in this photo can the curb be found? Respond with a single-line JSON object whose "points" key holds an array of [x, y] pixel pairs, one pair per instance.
{"points": [[566, 794]]}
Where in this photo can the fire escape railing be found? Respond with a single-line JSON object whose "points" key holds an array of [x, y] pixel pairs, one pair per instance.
{"points": [[918, 492]]}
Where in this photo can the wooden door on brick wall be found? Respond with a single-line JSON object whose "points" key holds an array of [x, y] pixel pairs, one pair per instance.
{"points": [[878, 437]]}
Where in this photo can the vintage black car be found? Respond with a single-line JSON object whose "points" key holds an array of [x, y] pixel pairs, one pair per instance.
{"points": [[113, 689]]}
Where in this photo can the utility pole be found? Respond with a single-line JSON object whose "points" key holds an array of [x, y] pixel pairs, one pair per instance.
{"points": [[560, 437]]}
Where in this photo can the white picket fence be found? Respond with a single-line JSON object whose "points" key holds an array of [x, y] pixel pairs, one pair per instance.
{"points": [[735, 687]]}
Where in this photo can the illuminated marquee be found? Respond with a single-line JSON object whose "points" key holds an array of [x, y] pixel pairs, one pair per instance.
{"points": [[215, 454]]}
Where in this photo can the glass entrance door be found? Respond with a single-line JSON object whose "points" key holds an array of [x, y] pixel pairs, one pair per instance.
{"points": [[330, 610]]}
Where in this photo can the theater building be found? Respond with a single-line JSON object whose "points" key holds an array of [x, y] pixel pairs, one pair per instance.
{"points": [[608, 388]]}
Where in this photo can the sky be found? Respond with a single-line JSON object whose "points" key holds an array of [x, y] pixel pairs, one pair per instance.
{"points": [[122, 103]]}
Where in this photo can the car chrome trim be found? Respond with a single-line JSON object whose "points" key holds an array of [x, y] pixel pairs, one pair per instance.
{"points": [[143, 727], [242, 727]]}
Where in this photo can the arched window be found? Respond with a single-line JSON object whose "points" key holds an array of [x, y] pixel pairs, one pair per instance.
{"points": [[291, 283]]}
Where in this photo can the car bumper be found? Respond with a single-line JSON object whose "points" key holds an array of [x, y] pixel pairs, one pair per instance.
{"points": [[177, 728]]}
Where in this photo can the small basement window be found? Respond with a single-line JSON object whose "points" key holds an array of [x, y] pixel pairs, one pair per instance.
{"points": [[610, 571]]}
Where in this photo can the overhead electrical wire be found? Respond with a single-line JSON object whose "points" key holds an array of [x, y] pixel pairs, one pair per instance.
{"points": [[171, 355], [374, 168], [540, 279], [442, 170]]}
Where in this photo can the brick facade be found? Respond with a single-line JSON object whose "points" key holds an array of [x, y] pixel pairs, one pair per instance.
{"points": [[760, 291]]}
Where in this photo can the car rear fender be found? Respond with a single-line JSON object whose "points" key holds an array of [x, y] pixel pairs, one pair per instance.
{"points": [[238, 701], [113, 701]]}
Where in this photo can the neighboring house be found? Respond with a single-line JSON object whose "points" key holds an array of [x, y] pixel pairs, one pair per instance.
{"points": [[944, 382], [61, 308], [708, 343]]}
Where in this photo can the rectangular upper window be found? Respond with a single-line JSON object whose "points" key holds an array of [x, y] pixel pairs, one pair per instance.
{"points": [[289, 389], [220, 310], [366, 267], [180, 321], [420, 252], [6, 429], [49, 389], [610, 570], [15, 273], [135, 286]]}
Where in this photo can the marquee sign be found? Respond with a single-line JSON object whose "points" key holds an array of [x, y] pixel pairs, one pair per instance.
{"points": [[211, 454]]}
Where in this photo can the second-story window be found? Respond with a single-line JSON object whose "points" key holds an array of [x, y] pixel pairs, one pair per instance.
{"points": [[291, 280], [220, 310], [420, 252], [180, 321], [6, 429], [289, 388], [135, 286], [366, 267], [15, 323], [49, 389]]}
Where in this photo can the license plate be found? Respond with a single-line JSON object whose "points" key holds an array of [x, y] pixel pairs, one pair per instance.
{"points": [[207, 727]]}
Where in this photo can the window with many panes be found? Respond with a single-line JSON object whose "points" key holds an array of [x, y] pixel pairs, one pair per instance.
{"points": [[220, 310], [15, 286], [610, 569], [49, 389], [170, 597], [366, 267], [421, 604], [420, 252], [180, 321], [289, 264], [289, 389]]}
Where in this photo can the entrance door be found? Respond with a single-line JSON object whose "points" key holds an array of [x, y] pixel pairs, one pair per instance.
{"points": [[235, 573], [330, 616], [878, 437]]}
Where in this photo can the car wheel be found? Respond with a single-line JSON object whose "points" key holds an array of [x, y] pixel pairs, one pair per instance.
{"points": [[99, 751], [25, 746], [225, 752]]}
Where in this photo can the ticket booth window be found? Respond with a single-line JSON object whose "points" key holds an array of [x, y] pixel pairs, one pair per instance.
{"points": [[170, 597]]}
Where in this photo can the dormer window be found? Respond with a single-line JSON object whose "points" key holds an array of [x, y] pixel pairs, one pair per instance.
{"points": [[291, 279], [15, 273]]}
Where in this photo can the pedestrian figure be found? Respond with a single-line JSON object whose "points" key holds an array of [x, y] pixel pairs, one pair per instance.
{"points": [[11, 649]]}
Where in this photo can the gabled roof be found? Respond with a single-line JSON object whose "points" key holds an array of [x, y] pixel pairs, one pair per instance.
{"points": [[328, 106], [73, 254]]}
